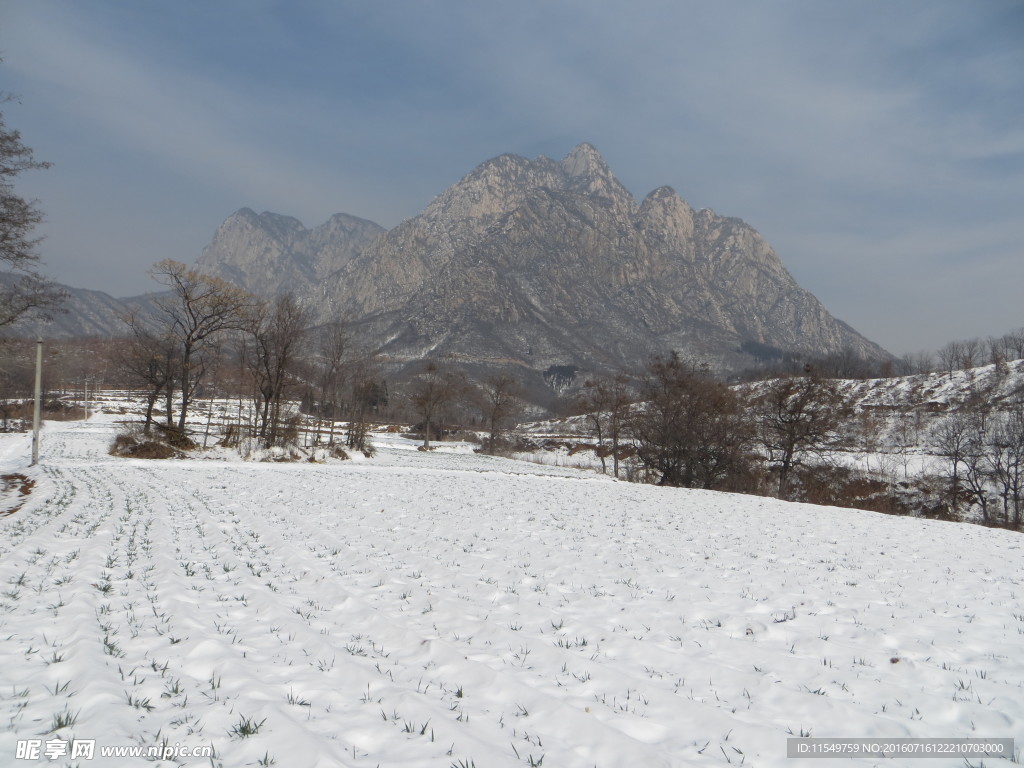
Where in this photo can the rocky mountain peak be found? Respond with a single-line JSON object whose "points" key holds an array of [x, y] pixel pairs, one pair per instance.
{"points": [[244, 214], [667, 218], [283, 228], [495, 187], [534, 267], [269, 253], [585, 160], [539, 263], [662, 194], [666, 202], [587, 173]]}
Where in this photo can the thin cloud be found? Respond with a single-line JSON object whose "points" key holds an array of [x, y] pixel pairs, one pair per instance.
{"points": [[190, 126]]}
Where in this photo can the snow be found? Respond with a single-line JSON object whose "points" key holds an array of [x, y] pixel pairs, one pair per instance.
{"points": [[446, 608]]}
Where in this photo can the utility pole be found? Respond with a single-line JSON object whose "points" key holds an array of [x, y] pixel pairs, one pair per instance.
{"points": [[35, 408]]}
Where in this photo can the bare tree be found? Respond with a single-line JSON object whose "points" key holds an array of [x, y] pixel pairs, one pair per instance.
{"points": [[997, 351], [432, 392], [1015, 344], [590, 403], [348, 385], [951, 357], [845, 364], [605, 403], [199, 310], [367, 392], [960, 438], [498, 398], [16, 377], [971, 353], [974, 464], [277, 336], [148, 360], [22, 290], [919, 362], [334, 348], [1004, 454], [689, 428], [798, 417]]}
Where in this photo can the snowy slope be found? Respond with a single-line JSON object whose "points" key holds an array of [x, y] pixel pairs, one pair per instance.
{"points": [[940, 391], [452, 609], [892, 434]]}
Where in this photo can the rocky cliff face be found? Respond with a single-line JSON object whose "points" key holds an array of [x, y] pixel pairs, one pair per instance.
{"points": [[269, 253], [543, 263]]}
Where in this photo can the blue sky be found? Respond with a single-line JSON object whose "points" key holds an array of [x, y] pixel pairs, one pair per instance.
{"points": [[878, 146]]}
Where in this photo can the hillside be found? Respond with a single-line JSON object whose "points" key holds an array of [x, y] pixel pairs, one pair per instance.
{"points": [[900, 416], [85, 314]]}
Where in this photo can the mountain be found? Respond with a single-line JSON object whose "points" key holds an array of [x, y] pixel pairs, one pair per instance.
{"points": [[540, 264], [264, 253], [85, 313], [269, 253]]}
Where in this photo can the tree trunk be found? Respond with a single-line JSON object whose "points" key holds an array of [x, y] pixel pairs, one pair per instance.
{"points": [[209, 420], [150, 404], [186, 395], [170, 399]]}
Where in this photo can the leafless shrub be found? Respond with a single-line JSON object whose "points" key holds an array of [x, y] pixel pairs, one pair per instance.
{"points": [[131, 446]]}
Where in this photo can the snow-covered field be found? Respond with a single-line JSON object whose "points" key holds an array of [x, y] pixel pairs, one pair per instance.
{"points": [[448, 609]]}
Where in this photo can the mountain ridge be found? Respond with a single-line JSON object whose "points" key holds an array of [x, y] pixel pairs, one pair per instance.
{"points": [[540, 263], [262, 252], [550, 247]]}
